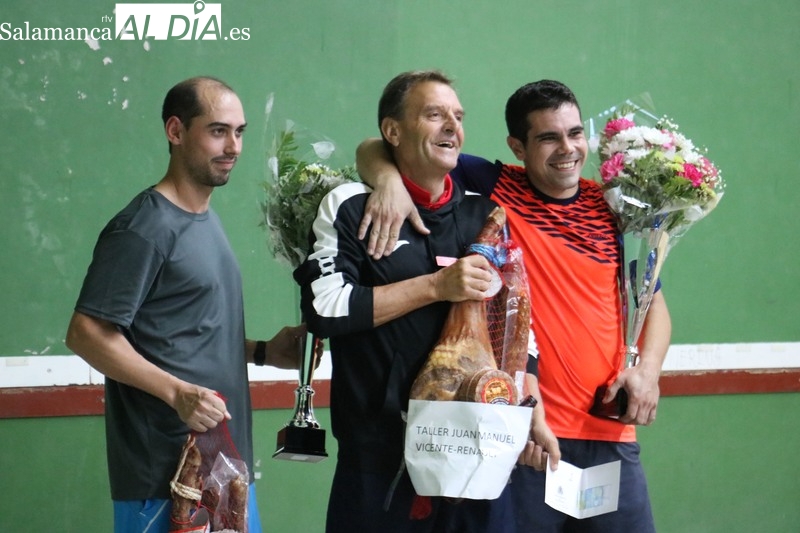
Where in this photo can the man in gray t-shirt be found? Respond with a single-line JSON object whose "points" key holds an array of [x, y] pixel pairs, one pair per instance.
{"points": [[160, 313]]}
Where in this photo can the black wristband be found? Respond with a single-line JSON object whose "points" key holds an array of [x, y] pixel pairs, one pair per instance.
{"points": [[260, 353]]}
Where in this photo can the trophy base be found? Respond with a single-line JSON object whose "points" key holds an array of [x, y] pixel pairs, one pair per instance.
{"points": [[614, 409], [303, 444]]}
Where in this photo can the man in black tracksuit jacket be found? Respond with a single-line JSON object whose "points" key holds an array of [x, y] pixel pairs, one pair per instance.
{"points": [[384, 316]]}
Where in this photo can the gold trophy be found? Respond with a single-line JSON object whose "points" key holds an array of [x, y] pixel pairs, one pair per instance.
{"points": [[302, 439]]}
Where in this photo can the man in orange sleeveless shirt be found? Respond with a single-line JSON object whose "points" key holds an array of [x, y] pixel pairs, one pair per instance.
{"points": [[571, 251]]}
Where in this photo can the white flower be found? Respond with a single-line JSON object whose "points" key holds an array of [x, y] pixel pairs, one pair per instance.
{"points": [[656, 137], [690, 156], [613, 146], [634, 154], [683, 143]]}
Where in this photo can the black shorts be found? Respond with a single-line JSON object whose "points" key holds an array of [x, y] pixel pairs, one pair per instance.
{"points": [[358, 505]]}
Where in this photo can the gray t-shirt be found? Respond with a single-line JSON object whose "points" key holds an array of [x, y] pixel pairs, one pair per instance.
{"points": [[169, 279]]}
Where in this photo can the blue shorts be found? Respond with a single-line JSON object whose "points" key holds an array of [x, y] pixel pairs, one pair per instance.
{"points": [[152, 516], [633, 514]]}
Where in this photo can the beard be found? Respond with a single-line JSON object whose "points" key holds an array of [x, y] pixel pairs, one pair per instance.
{"points": [[209, 175], [218, 179]]}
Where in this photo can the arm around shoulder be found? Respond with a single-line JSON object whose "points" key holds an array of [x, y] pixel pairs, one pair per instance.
{"points": [[389, 205]]}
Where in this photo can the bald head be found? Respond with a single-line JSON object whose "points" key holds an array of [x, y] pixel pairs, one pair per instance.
{"points": [[186, 99]]}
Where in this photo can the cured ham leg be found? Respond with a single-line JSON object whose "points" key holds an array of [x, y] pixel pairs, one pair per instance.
{"points": [[462, 365]]}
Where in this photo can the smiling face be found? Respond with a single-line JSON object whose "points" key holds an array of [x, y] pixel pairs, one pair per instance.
{"points": [[427, 138], [555, 150], [209, 147]]}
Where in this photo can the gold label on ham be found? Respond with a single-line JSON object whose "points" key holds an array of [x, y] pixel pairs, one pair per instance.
{"points": [[489, 386]]}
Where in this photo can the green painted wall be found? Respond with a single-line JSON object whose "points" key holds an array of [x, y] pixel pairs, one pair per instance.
{"points": [[82, 135], [82, 129], [724, 464]]}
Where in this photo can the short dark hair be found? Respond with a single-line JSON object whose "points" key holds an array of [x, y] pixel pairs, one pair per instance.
{"points": [[183, 101], [535, 96], [392, 102]]}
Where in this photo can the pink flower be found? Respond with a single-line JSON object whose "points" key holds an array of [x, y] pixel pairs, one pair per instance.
{"points": [[671, 143], [709, 168], [612, 167], [617, 125], [710, 171], [692, 173]]}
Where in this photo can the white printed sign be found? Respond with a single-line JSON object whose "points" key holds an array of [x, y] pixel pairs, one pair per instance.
{"points": [[463, 449]]}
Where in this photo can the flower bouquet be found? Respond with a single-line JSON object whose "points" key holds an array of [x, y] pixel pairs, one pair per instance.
{"points": [[658, 184], [294, 189]]}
